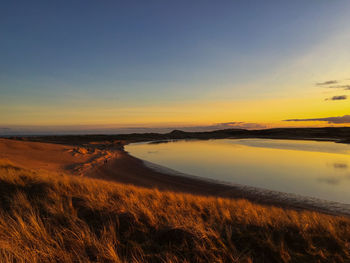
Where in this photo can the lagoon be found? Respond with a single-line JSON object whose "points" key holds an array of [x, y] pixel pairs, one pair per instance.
{"points": [[309, 168]]}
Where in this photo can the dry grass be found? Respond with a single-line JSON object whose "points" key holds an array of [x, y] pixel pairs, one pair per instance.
{"points": [[56, 218]]}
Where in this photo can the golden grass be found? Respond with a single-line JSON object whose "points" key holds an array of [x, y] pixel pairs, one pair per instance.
{"points": [[57, 218]]}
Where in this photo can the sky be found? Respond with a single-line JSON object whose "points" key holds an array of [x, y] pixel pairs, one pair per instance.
{"points": [[68, 65]]}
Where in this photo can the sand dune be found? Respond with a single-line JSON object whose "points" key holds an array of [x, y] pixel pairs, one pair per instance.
{"points": [[52, 157]]}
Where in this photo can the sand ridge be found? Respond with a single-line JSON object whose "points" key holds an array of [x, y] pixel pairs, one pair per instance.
{"points": [[53, 157]]}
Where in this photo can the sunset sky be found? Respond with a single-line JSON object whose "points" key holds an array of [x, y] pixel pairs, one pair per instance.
{"points": [[250, 64]]}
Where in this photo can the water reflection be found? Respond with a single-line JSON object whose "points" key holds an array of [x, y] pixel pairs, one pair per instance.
{"points": [[334, 180], [338, 176], [340, 166], [310, 168]]}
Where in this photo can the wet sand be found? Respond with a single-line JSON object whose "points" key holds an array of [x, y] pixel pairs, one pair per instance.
{"points": [[108, 161]]}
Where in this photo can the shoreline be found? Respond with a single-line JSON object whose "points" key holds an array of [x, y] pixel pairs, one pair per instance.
{"points": [[127, 169], [299, 201], [132, 170]]}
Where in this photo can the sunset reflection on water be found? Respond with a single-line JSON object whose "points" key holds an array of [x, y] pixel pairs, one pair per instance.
{"points": [[309, 168]]}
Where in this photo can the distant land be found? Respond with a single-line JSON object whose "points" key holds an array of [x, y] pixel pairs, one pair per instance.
{"points": [[337, 134]]}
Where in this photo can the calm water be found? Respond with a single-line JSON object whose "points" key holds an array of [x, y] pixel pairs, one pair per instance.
{"points": [[309, 168]]}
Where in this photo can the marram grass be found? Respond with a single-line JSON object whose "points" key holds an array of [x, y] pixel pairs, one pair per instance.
{"points": [[60, 218]]}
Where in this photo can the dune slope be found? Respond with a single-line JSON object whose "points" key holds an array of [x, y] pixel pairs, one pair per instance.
{"points": [[57, 218]]}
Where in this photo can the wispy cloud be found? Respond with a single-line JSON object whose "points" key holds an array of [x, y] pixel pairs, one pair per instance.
{"points": [[342, 97], [331, 84], [325, 83], [345, 87], [239, 125], [335, 120]]}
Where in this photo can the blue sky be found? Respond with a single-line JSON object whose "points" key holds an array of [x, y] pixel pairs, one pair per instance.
{"points": [[73, 62]]}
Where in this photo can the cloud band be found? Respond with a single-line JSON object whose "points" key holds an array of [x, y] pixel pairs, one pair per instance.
{"points": [[335, 120]]}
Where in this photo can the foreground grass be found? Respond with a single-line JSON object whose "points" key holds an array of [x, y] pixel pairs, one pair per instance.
{"points": [[56, 218]]}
